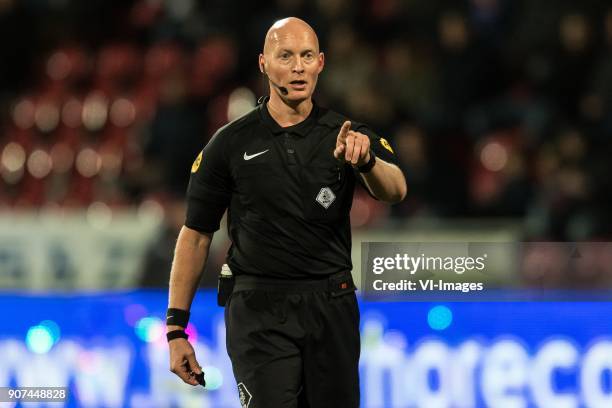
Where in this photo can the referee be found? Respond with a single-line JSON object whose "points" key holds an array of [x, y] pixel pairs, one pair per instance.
{"points": [[286, 172]]}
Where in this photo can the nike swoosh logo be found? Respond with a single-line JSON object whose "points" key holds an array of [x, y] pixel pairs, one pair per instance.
{"points": [[250, 156]]}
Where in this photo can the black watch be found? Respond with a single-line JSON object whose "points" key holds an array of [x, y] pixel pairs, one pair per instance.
{"points": [[176, 334], [366, 168]]}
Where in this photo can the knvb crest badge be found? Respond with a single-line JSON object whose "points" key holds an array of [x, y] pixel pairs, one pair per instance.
{"points": [[245, 395], [326, 197]]}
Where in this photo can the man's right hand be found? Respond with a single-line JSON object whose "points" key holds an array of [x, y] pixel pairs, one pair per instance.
{"points": [[183, 361]]}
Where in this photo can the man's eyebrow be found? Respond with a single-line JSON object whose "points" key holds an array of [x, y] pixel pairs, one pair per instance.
{"points": [[291, 51]]}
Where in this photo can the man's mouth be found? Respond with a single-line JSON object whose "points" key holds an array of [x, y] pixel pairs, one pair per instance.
{"points": [[298, 84]]}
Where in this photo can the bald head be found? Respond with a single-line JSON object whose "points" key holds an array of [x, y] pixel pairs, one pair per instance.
{"points": [[291, 60], [291, 28]]}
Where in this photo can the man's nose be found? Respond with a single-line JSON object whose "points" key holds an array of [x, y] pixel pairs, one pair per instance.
{"points": [[298, 66]]}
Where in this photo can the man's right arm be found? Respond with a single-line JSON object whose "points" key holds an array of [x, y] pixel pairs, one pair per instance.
{"points": [[190, 256], [208, 196]]}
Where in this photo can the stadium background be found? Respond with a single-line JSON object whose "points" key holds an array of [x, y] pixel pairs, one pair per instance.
{"points": [[500, 112]]}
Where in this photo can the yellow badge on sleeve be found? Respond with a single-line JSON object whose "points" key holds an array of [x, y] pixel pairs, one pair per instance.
{"points": [[196, 164], [386, 145]]}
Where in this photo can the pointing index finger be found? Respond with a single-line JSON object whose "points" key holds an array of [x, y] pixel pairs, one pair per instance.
{"points": [[346, 126]]}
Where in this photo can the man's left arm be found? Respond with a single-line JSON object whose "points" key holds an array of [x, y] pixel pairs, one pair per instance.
{"points": [[384, 179]]}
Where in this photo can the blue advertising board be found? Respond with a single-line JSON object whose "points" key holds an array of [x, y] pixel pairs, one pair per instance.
{"points": [[109, 349]]}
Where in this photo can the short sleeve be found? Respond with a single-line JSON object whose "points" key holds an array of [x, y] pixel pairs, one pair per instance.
{"points": [[381, 146], [210, 187]]}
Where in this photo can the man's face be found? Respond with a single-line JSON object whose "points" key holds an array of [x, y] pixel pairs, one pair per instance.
{"points": [[292, 60]]}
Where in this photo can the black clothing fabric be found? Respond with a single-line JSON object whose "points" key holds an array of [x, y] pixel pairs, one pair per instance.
{"points": [[289, 199], [296, 349], [292, 319]]}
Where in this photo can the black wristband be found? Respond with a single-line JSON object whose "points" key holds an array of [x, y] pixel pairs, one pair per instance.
{"points": [[366, 168], [176, 334], [177, 317]]}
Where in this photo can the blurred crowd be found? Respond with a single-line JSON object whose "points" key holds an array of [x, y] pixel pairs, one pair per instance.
{"points": [[496, 108]]}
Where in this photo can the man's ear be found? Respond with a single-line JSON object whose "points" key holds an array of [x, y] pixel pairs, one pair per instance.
{"points": [[262, 64], [321, 61]]}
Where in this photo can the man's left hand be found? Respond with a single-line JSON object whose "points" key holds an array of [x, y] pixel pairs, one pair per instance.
{"points": [[355, 146]]}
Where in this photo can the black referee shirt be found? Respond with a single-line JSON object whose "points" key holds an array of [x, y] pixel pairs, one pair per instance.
{"points": [[289, 199]]}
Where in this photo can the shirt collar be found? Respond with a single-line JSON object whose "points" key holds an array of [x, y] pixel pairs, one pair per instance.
{"points": [[301, 129]]}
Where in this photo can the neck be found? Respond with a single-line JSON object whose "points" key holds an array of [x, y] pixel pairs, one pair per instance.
{"points": [[288, 113]]}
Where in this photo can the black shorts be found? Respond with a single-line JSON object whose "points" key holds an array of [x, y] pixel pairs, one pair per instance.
{"points": [[294, 347]]}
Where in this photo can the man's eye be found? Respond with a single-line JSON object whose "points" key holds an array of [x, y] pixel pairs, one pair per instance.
{"points": [[284, 56]]}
